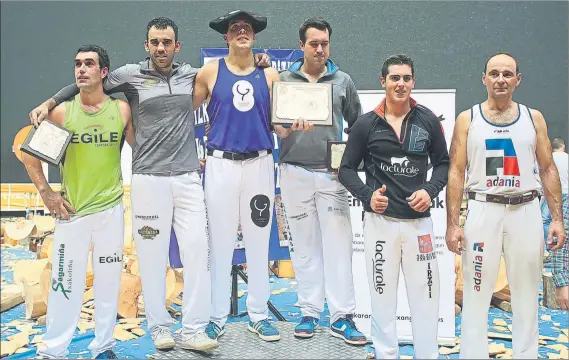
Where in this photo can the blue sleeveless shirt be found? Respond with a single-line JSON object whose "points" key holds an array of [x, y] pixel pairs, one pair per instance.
{"points": [[239, 112]]}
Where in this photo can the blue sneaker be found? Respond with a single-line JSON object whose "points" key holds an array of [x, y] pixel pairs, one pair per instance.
{"points": [[265, 330], [108, 354], [306, 327], [213, 331], [345, 328]]}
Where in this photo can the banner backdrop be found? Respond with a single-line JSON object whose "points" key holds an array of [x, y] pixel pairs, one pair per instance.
{"points": [[442, 103]]}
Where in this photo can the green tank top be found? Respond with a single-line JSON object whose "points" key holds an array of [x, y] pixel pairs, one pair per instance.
{"points": [[91, 175]]}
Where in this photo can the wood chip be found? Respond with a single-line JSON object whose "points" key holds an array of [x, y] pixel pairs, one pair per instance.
{"points": [[21, 350], [7, 348], [36, 339], [557, 347], [562, 338], [500, 328], [22, 338], [278, 291], [129, 326], [138, 332], [546, 317], [510, 327], [494, 335], [565, 331], [495, 349], [88, 311], [550, 338], [122, 335], [83, 326], [555, 356], [131, 320], [500, 322], [542, 342], [448, 351]]}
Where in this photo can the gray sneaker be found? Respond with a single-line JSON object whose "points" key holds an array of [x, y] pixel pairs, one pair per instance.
{"points": [[162, 338]]}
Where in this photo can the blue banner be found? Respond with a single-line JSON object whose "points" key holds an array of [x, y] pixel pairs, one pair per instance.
{"points": [[280, 234]]}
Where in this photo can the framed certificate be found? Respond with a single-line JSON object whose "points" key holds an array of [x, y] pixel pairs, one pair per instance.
{"points": [[335, 153], [301, 100], [47, 142]]}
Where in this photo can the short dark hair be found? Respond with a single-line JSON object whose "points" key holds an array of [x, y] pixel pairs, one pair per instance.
{"points": [[502, 53], [399, 59], [162, 23], [104, 61], [557, 143], [315, 22]]}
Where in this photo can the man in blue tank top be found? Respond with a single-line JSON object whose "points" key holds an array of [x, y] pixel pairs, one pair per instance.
{"points": [[239, 172]]}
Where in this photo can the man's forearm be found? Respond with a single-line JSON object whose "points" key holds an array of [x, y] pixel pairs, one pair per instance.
{"points": [[50, 103], [35, 171], [455, 188], [65, 94], [552, 191]]}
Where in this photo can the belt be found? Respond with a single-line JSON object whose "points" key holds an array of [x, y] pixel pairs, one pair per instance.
{"points": [[504, 199], [237, 156]]}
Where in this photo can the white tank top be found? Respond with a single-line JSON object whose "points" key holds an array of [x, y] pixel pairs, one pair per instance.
{"points": [[501, 158]]}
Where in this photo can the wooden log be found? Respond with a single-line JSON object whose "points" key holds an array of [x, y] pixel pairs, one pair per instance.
{"points": [[45, 282], [171, 283], [12, 295], [18, 232], [549, 294], [46, 248], [44, 223], [29, 271], [173, 298], [130, 290], [35, 305]]}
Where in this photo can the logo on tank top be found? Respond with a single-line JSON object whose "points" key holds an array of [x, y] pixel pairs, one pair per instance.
{"points": [[96, 134], [502, 167], [260, 212], [243, 99]]}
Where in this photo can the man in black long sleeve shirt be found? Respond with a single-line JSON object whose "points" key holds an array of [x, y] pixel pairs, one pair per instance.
{"points": [[395, 141]]}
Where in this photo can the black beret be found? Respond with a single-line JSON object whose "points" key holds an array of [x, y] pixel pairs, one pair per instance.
{"points": [[221, 24]]}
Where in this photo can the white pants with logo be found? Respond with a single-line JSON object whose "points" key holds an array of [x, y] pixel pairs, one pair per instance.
{"points": [[489, 230], [71, 242], [318, 215], [158, 202], [389, 245], [240, 191]]}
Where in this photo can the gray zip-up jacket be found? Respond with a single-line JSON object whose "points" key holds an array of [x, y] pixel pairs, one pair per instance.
{"points": [[308, 148], [162, 116]]}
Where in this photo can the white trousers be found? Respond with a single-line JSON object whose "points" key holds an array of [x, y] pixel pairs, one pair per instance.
{"points": [[158, 202], [71, 242], [318, 215], [489, 230], [389, 245], [240, 190]]}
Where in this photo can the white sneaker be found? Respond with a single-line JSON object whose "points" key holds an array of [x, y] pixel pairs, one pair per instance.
{"points": [[163, 340], [199, 341]]}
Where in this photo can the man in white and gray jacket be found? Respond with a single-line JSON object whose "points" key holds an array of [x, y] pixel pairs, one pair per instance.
{"points": [[315, 202]]}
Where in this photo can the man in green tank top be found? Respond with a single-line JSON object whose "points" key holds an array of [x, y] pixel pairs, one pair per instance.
{"points": [[88, 208]]}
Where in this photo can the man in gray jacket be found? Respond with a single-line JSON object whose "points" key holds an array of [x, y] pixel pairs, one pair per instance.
{"points": [[315, 202]]}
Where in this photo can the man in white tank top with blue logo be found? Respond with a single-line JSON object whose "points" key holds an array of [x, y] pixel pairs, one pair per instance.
{"points": [[497, 143], [240, 170]]}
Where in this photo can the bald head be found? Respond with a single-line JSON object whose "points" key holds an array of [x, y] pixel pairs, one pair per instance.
{"points": [[502, 58]]}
